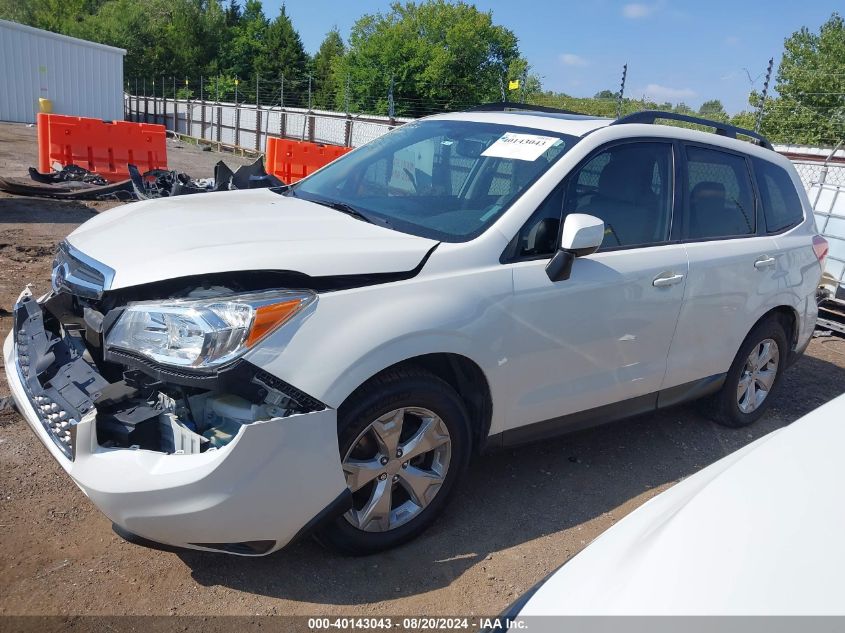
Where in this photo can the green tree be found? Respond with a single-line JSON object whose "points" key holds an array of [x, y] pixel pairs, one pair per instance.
{"points": [[232, 13], [328, 92], [683, 108], [282, 55], [245, 42], [604, 94], [714, 110], [810, 107], [438, 56]]}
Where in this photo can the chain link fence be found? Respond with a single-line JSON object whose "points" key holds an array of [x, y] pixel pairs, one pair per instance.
{"points": [[816, 172], [246, 126]]}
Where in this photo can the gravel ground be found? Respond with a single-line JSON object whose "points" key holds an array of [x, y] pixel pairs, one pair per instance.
{"points": [[518, 515]]}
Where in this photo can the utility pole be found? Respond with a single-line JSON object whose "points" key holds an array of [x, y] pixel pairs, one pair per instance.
{"points": [[282, 93], [523, 83], [391, 107], [346, 95], [621, 91], [759, 122], [201, 89], [256, 89], [309, 91], [502, 87]]}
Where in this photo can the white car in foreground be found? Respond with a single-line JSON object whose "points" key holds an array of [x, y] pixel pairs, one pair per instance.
{"points": [[757, 533], [230, 371]]}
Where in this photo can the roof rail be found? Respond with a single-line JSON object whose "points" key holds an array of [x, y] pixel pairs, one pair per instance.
{"points": [[505, 106], [722, 129]]}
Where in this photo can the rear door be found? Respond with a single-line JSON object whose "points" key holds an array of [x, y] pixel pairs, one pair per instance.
{"points": [[733, 264]]}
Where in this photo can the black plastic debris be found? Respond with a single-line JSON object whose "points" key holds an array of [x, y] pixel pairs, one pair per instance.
{"points": [[76, 183], [68, 190], [70, 173]]}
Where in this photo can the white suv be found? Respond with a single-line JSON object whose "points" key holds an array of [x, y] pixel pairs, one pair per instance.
{"points": [[230, 371]]}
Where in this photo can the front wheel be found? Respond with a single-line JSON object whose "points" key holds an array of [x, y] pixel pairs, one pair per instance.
{"points": [[753, 376], [404, 441]]}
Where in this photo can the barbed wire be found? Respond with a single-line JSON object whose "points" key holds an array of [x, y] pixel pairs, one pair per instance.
{"points": [[414, 97]]}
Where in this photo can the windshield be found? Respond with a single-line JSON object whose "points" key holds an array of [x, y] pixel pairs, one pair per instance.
{"points": [[445, 180]]}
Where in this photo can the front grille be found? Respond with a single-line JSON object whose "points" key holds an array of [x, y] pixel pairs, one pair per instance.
{"points": [[78, 274]]}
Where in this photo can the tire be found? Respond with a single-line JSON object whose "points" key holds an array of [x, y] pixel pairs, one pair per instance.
{"points": [[728, 407], [431, 410]]}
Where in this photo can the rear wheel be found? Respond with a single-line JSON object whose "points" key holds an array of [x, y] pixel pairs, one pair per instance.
{"points": [[404, 441], [753, 376]]}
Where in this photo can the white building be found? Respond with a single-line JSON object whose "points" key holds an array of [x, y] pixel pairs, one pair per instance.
{"points": [[81, 78]]}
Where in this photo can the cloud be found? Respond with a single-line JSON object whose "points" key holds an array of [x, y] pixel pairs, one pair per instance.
{"points": [[571, 59], [666, 93], [637, 10], [732, 40]]}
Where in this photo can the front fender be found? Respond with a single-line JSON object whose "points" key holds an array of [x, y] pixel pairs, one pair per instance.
{"points": [[354, 334]]}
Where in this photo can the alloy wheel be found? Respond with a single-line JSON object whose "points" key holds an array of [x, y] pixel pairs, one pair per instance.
{"points": [[758, 375], [395, 468]]}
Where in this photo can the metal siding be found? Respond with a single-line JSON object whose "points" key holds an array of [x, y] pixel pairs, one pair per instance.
{"points": [[82, 78]]}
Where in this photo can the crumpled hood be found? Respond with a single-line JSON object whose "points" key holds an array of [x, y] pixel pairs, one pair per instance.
{"points": [[756, 533], [240, 230]]}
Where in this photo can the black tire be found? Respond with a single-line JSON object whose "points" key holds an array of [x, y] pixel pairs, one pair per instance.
{"points": [[393, 389], [723, 408]]}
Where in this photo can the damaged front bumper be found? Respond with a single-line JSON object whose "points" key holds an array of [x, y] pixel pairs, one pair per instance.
{"points": [[275, 479]]}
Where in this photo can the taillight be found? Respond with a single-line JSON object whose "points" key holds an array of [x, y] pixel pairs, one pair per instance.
{"points": [[820, 248]]}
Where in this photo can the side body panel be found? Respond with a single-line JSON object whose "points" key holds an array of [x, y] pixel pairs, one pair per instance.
{"points": [[725, 296], [599, 337], [353, 334]]}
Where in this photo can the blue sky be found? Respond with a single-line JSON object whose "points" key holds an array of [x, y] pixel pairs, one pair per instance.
{"points": [[676, 51]]}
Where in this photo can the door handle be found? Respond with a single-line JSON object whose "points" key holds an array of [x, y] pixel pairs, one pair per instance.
{"points": [[764, 262], [667, 279]]}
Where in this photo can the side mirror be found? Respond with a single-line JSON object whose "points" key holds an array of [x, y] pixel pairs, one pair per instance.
{"points": [[582, 235]]}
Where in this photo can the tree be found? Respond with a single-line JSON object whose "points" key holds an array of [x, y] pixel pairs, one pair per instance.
{"points": [[328, 92], [683, 108], [438, 56], [233, 13], [245, 43], [810, 83], [713, 109], [282, 54], [605, 94]]}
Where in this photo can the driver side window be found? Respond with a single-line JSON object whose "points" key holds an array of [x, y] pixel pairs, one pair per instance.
{"points": [[628, 186]]}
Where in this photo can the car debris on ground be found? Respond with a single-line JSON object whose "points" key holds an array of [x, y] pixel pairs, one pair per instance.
{"points": [[77, 183]]}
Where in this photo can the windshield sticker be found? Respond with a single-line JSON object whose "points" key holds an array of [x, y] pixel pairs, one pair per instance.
{"points": [[520, 146]]}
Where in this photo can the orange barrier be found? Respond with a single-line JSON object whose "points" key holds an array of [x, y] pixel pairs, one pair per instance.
{"points": [[293, 160], [99, 146]]}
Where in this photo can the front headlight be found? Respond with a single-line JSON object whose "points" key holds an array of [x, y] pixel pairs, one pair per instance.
{"points": [[204, 333]]}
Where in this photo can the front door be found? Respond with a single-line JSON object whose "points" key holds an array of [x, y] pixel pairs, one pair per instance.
{"points": [[603, 335]]}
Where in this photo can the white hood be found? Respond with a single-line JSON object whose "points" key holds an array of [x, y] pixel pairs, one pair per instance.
{"points": [[240, 230], [759, 532]]}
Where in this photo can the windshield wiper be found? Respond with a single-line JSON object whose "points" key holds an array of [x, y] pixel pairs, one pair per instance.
{"points": [[344, 208]]}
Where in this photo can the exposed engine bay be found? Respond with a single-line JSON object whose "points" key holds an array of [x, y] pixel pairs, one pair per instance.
{"points": [[141, 404]]}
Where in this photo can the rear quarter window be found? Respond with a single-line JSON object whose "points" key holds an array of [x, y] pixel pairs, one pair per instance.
{"points": [[781, 203]]}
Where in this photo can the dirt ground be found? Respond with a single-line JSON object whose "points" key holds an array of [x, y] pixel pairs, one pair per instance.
{"points": [[518, 515]]}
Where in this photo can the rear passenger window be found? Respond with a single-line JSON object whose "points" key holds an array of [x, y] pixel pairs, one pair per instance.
{"points": [[720, 200], [781, 204]]}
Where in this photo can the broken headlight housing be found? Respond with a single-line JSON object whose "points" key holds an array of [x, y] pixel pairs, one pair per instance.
{"points": [[204, 333]]}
